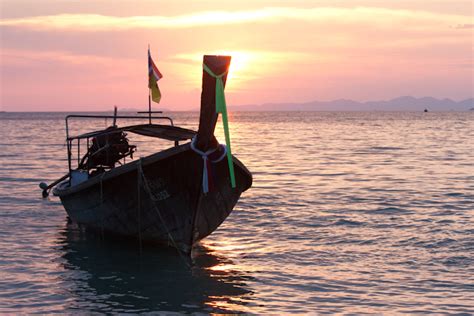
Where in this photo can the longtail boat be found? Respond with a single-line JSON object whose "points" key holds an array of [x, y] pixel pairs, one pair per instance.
{"points": [[177, 196]]}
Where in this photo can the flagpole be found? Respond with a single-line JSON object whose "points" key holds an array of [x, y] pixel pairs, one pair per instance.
{"points": [[149, 107]]}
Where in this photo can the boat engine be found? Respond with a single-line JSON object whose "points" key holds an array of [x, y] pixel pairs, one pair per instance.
{"points": [[107, 149]]}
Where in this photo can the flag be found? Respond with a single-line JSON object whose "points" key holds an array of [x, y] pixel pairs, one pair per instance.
{"points": [[153, 76]]}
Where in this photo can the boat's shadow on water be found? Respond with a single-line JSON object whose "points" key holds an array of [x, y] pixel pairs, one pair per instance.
{"points": [[109, 275]]}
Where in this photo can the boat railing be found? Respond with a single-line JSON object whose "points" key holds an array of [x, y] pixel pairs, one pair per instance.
{"points": [[114, 117], [69, 139]]}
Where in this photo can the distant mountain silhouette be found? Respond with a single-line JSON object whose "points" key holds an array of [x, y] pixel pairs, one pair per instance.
{"points": [[404, 103]]}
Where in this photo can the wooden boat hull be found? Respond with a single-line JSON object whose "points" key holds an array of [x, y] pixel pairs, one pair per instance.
{"points": [[165, 205]]}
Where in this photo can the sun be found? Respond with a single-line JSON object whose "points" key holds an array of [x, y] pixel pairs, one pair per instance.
{"points": [[240, 66], [240, 61]]}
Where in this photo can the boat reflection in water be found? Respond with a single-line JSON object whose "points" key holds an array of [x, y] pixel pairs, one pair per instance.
{"points": [[115, 276]]}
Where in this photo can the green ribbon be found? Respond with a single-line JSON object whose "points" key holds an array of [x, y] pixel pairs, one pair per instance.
{"points": [[221, 107]]}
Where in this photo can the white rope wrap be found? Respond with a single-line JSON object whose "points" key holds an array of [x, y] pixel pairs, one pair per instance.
{"points": [[205, 158]]}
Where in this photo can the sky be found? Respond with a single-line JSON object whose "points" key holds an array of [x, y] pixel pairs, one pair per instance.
{"points": [[59, 55]]}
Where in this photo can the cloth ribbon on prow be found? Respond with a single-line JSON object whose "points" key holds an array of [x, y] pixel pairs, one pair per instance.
{"points": [[221, 107]]}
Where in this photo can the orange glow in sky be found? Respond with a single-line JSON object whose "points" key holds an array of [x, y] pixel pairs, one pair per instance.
{"points": [[90, 55]]}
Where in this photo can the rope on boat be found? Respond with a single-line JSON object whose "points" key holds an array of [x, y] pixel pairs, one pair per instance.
{"points": [[205, 157], [139, 182], [101, 203], [146, 186]]}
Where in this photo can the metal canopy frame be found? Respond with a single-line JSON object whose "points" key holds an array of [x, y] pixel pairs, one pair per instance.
{"points": [[69, 139]]}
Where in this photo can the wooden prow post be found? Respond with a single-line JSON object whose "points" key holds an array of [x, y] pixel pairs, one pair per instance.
{"points": [[208, 116]]}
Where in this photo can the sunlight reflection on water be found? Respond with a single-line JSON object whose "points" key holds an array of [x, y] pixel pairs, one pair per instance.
{"points": [[349, 212]]}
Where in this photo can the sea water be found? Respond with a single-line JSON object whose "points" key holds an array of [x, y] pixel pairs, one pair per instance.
{"points": [[348, 213]]}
